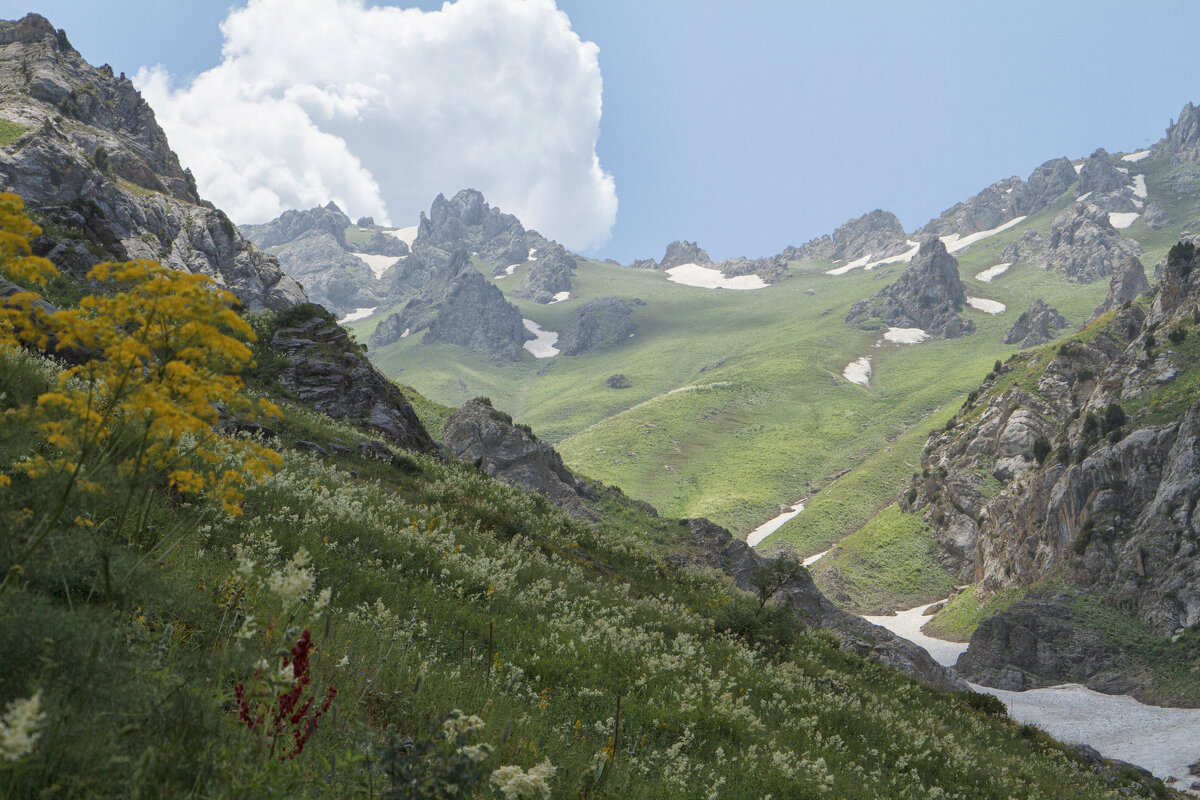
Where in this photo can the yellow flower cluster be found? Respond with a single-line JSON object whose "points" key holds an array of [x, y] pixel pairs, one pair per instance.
{"points": [[157, 352]]}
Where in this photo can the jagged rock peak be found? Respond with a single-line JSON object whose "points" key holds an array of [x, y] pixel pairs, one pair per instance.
{"points": [[927, 295], [1183, 136], [1036, 325], [602, 322], [293, 224], [1127, 283], [679, 252], [1082, 244]]}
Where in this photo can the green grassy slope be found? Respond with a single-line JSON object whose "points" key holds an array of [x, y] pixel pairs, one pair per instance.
{"points": [[452, 591]]}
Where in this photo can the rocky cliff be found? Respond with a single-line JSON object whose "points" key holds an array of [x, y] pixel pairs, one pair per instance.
{"points": [[551, 273], [877, 233], [927, 295], [1182, 142], [96, 169], [1082, 466], [448, 300], [1082, 244], [1005, 200], [1128, 283]]}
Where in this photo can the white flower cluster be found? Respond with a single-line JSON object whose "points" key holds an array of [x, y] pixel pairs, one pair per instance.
{"points": [[459, 724], [518, 784], [19, 727], [294, 580]]}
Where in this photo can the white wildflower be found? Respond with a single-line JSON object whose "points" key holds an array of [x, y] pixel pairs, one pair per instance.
{"points": [[322, 600], [293, 581], [517, 784], [287, 674], [459, 725], [345, 662], [248, 629], [476, 752], [18, 727]]}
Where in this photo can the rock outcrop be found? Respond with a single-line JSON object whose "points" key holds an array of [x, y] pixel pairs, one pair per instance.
{"points": [[680, 253], [325, 371], [771, 269], [714, 547], [1005, 200], [467, 222], [479, 434], [927, 295], [600, 323], [1082, 244], [1045, 185], [1128, 283], [1098, 467], [94, 164], [1099, 175], [877, 233], [1036, 325], [452, 302], [1182, 142], [551, 273]]}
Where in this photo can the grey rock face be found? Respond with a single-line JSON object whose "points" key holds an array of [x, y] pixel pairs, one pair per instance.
{"points": [[990, 208], [1036, 326], [1128, 282], [1182, 141], [467, 222], [600, 323], [1045, 185], [679, 253], [390, 329], [1039, 642], [714, 547], [327, 372], [1155, 216], [331, 275], [878, 233], [451, 302], [1113, 509], [96, 160], [479, 434], [1082, 244], [928, 295], [550, 274], [292, 225], [643, 263], [1100, 176], [770, 269]]}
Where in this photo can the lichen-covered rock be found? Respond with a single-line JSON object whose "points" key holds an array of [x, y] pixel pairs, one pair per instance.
{"points": [[1036, 325], [479, 434], [928, 295], [95, 163], [325, 371], [600, 323]]}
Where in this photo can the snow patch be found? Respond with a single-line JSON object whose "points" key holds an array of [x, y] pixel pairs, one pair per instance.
{"points": [[858, 371], [531, 257], [706, 278], [1078, 167], [993, 272], [954, 242], [543, 345], [1083, 197], [1163, 740], [1133, 158], [772, 525], [986, 306], [905, 335], [907, 625], [405, 334], [904, 257], [855, 264], [357, 314], [378, 264], [808, 562], [1139, 187], [406, 235], [1122, 219], [559, 297]]}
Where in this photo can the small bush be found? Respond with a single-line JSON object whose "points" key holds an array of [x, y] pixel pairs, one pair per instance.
{"points": [[1041, 449]]}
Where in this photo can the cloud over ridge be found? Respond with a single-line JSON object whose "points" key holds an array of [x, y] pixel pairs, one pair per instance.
{"points": [[380, 108]]}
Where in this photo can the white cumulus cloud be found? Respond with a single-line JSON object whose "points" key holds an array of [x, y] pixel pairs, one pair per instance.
{"points": [[381, 108]]}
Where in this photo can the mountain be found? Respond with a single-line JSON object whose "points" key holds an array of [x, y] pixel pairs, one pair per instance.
{"points": [[928, 295], [84, 150]]}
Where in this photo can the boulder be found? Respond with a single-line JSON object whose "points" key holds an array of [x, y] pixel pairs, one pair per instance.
{"points": [[603, 322], [479, 434]]}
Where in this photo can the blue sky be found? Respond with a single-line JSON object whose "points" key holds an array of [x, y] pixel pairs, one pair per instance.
{"points": [[749, 126]]}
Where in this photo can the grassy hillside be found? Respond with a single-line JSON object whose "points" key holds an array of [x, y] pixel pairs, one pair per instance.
{"points": [[189, 614]]}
